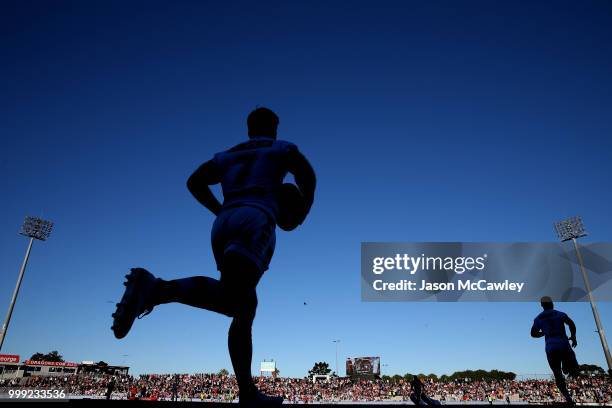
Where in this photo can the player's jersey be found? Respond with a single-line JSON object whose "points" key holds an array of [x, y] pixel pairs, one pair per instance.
{"points": [[551, 324], [253, 171]]}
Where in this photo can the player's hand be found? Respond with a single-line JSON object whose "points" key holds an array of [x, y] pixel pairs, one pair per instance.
{"points": [[573, 341]]}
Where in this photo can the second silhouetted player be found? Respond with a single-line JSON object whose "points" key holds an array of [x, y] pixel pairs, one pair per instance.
{"points": [[561, 358]]}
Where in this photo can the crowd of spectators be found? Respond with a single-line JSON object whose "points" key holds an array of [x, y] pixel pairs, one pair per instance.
{"points": [[217, 387]]}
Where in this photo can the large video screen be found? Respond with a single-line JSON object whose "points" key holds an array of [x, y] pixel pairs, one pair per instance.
{"points": [[362, 366]]}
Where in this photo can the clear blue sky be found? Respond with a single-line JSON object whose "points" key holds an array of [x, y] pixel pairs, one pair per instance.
{"points": [[425, 121]]}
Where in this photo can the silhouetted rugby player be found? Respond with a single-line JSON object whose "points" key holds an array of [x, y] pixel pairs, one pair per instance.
{"points": [[561, 358], [243, 239], [418, 396]]}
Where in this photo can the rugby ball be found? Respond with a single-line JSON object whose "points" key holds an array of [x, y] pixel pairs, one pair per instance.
{"points": [[291, 207]]}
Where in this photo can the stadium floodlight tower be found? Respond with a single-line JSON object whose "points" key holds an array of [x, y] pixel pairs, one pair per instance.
{"points": [[572, 229], [34, 228]]}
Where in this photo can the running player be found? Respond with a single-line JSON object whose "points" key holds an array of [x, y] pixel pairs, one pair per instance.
{"points": [[243, 240], [561, 358], [418, 395]]}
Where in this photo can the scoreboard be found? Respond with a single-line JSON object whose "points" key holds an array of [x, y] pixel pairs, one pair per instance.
{"points": [[363, 366]]}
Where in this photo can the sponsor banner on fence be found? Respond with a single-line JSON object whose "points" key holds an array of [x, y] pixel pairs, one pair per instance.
{"points": [[9, 358], [51, 363]]}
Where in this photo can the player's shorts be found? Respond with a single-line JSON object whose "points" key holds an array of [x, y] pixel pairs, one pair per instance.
{"points": [[247, 231], [563, 360]]}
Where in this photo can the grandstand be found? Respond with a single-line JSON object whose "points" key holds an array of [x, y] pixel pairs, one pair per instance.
{"points": [[337, 390], [91, 380]]}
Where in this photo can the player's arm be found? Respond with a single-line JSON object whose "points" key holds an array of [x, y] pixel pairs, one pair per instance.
{"points": [[572, 327], [207, 174], [536, 331], [304, 176]]}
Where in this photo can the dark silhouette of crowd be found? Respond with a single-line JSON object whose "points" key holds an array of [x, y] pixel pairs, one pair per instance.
{"points": [[216, 387]]}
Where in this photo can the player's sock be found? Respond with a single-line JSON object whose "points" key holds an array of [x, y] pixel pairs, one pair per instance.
{"points": [[197, 291], [167, 291]]}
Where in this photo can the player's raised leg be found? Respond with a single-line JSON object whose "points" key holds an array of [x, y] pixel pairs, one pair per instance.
{"points": [[144, 291]]}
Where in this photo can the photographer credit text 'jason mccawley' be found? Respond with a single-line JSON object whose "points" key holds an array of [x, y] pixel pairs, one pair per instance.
{"points": [[455, 271], [459, 265]]}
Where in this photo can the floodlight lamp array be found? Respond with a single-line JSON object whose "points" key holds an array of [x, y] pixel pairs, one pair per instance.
{"points": [[570, 229], [36, 228]]}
